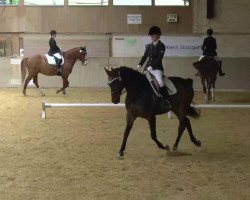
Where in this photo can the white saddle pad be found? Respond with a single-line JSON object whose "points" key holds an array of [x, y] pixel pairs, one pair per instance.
{"points": [[51, 59]]}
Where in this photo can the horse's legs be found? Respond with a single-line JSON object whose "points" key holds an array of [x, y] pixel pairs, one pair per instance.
{"points": [[152, 124], [213, 89], [208, 90], [190, 131], [65, 85], [204, 86], [181, 129], [130, 122], [35, 81], [213, 96], [26, 83]]}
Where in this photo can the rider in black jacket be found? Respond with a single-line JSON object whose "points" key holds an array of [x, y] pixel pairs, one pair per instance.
{"points": [[55, 50], [209, 47], [155, 52]]}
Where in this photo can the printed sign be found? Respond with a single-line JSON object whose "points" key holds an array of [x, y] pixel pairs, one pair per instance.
{"points": [[134, 19]]}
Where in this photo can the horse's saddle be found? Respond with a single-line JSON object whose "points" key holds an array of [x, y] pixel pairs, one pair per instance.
{"points": [[52, 60], [206, 58], [156, 88]]}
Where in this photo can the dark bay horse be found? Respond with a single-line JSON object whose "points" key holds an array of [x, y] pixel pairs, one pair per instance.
{"points": [[38, 64], [142, 102], [208, 69]]}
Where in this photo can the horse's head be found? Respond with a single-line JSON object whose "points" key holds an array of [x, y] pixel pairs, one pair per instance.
{"points": [[115, 84], [83, 55]]}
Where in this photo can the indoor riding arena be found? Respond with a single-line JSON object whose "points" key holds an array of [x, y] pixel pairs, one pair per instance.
{"points": [[66, 139]]}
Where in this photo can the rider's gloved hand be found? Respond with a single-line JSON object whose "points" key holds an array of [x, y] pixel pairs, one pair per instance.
{"points": [[149, 68], [138, 67]]}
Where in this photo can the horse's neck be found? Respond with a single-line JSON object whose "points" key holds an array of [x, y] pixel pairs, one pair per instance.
{"points": [[134, 84], [71, 56]]}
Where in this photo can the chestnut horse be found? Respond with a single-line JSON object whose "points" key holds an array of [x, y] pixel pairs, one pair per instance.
{"points": [[38, 64]]}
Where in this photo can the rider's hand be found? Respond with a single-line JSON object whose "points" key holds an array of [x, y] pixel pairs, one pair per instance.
{"points": [[139, 66], [149, 68]]}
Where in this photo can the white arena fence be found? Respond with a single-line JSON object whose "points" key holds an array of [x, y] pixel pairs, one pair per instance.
{"points": [[46, 105]]}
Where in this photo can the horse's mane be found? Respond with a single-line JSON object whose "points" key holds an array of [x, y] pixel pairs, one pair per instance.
{"points": [[71, 49], [134, 78], [131, 74]]}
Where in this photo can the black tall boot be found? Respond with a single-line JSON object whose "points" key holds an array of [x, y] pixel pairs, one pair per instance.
{"points": [[165, 95], [221, 73], [58, 64]]}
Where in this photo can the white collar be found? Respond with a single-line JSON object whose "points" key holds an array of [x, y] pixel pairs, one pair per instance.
{"points": [[156, 42]]}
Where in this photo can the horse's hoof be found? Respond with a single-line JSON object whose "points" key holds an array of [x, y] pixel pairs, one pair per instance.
{"points": [[65, 94], [198, 143], [25, 95], [167, 148], [120, 155], [175, 148]]}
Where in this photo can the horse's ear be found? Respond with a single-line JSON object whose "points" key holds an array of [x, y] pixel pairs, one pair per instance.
{"points": [[107, 71]]}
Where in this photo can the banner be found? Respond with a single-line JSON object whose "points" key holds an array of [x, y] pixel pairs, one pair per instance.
{"points": [[176, 46], [180, 46]]}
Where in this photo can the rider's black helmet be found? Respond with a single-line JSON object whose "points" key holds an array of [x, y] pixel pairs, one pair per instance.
{"points": [[210, 31], [154, 30], [52, 32]]}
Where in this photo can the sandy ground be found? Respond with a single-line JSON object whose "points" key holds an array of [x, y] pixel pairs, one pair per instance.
{"points": [[72, 154]]}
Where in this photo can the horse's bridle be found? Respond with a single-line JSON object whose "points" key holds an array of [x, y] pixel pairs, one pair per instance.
{"points": [[117, 78]]}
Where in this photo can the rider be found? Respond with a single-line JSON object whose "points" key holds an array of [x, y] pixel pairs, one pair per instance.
{"points": [[55, 51], [209, 47], [155, 52]]}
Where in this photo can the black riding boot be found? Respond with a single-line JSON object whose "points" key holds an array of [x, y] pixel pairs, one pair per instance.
{"points": [[58, 64], [165, 95], [221, 73]]}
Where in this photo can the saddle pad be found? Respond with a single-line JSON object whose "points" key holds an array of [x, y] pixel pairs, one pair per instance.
{"points": [[51, 60], [170, 85], [155, 86]]}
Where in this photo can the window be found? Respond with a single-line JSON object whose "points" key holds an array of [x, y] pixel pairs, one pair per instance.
{"points": [[172, 2], [9, 2], [132, 2], [44, 2], [5, 48], [88, 2]]}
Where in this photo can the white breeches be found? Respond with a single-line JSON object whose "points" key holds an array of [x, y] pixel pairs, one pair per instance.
{"points": [[201, 57], [58, 55], [158, 74]]}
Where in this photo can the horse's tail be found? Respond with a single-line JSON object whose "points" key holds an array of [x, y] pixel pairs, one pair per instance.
{"points": [[190, 82], [193, 112], [23, 69]]}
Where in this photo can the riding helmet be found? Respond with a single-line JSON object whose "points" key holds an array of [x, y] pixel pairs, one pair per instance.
{"points": [[210, 31], [52, 32], [154, 30]]}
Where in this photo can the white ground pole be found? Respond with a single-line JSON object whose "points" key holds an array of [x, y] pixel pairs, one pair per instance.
{"points": [[58, 105], [205, 106]]}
